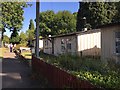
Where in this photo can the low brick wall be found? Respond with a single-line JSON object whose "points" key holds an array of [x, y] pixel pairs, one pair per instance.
{"points": [[58, 77]]}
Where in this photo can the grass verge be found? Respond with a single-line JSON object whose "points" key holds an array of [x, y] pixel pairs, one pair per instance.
{"points": [[27, 55]]}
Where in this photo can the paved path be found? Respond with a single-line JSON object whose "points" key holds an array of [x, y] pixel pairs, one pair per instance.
{"points": [[15, 74]]}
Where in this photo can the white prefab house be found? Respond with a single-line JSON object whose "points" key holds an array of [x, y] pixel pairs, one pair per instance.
{"points": [[110, 41], [104, 42], [83, 43]]}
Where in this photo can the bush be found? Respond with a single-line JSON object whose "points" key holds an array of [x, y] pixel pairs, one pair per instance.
{"points": [[101, 74]]}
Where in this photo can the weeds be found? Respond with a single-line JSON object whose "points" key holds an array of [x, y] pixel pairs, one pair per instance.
{"points": [[101, 74]]}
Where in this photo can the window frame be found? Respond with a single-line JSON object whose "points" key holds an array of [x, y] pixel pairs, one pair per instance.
{"points": [[63, 45], [117, 39]]}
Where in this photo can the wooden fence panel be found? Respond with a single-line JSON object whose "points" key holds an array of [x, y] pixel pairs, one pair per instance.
{"points": [[57, 77]]}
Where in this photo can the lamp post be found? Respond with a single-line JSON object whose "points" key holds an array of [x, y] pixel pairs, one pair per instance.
{"points": [[37, 29]]}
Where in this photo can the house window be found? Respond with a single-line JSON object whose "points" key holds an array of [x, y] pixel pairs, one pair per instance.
{"points": [[117, 42], [62, 41], [46, 42], [62, 45], [69, 44]]}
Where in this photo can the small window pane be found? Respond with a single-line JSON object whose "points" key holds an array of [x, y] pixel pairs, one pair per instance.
{"points": [[117, 35], [117, 43], [118, 49], [62, 41], [69, 46], [62, 48]]}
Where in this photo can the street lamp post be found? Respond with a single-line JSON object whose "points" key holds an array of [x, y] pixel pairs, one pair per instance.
{"points": [[37, 29]]}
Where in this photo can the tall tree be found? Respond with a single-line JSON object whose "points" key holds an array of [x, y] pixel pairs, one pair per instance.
{"points": [[23, 39], [46, 22], [31, 25], [15, 39], [5, 39], [57, 23], [96, 13], [30, 32], [117, 16], [12, 16]]}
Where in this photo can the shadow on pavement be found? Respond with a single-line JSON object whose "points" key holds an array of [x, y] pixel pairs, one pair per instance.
{"points": [[15, 74]]}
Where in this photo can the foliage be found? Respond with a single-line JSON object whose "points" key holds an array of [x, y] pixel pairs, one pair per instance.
{"points": [[96, 13], [110, 80], [57, 23], [12, 17], [30, 32], [31, 25], [23, 39], [105, 75], [15, 39], [117, 16], [5, 39], [12, 14]]}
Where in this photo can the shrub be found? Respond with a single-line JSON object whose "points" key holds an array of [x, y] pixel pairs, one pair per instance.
{"points": [[101, 74]]}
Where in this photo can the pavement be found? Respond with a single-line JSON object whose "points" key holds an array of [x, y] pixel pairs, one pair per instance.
{"points": [[16, 74]]}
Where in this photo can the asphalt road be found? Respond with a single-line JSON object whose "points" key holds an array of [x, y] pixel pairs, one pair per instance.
{"points": [[15, 74]]}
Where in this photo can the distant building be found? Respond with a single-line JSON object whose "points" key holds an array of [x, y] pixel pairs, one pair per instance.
{"points": [[83, 43], [40, 43], [104, 42]]}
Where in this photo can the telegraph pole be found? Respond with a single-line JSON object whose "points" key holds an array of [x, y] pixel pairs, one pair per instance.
{"points": [[37, 29]]}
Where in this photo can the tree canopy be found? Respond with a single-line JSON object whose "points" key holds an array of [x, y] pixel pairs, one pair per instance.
{"points": [[23, 39], [31, 25], [15, 39], [12, 17], [57, 23], [97, 13], [5, 39], [30, 32]]}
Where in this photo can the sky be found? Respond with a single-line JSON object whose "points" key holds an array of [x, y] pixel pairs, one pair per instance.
{"points": [[30, 12]]}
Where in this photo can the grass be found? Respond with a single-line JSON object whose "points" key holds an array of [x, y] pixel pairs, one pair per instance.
{"points": [[2, 50], [27, 55]]}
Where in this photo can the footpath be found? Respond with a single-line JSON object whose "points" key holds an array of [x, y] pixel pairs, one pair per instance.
{"points": [[15, 74]]}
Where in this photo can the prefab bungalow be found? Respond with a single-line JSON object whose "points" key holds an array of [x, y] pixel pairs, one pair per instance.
{"points": [[104, 42], [82, 43], [110, 41]]}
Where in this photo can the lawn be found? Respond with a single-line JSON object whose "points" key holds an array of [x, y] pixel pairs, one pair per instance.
{"points": [[27, 54], [2, 50]]}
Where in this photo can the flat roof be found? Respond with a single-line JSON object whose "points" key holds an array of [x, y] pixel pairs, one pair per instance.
{"points": [[76, 33], [86, 32]]}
